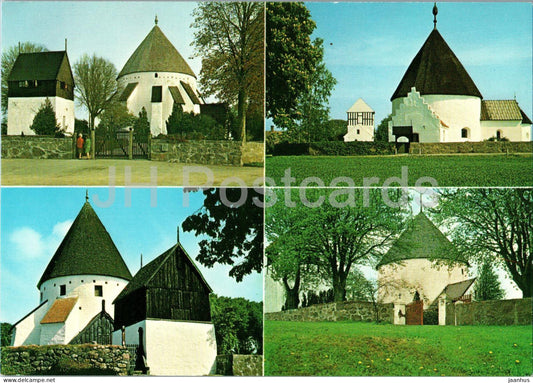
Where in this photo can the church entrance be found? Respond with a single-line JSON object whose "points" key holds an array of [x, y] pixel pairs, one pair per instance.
{"points": [[403, 137], [414, 313], [122, 143]]}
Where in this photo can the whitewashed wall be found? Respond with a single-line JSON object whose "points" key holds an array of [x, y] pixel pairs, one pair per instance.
{"points": [[512, 130], [366, 133], [28, 331]]}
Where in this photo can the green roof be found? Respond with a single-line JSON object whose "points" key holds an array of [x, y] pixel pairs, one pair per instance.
{"points": [[421, 239], [436, 70], [156, 54], [37, 66], [87, 249], [146, 273]]}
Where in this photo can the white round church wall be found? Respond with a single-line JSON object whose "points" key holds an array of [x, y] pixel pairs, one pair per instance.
{"points": [[86, 288], [399, 282], [142, 96]]}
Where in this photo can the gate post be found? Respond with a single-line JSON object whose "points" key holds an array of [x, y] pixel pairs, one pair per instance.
{"points": [[130, 144]]}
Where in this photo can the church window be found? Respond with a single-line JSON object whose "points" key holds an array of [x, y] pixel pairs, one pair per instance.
{"points": [[98, 291], [62, 289], [499, 134], [358, 131], [464, 133], [156, 75], [23, 84], [157, 93]]}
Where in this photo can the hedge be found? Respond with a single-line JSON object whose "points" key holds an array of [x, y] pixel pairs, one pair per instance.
{"points": [[334, 148]]}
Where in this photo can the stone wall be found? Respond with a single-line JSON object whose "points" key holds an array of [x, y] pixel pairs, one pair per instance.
{"points": [[240, 365], [197, 152], [37, 147], [253, 152], [500, 313], [471, 147], [87, 359], [339, 311]]}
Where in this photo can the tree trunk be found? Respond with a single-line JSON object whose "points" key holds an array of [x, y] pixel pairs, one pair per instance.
{"points": [[241, 113], [93, 136], [292, 300], [339, 288]]}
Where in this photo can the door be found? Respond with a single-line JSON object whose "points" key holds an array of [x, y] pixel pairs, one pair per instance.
{"points": [[414, 313]]}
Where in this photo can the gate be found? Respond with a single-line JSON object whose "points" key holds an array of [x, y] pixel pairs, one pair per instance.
{"points": [[414, 313], [116, 144]]}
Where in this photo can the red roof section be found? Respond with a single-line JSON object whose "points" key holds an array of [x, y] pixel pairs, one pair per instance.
{"points": [[60, 310]]}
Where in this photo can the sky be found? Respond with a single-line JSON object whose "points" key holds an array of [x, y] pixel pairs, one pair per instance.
{"points": [[109, 29], [368, 47], [35, 220]]}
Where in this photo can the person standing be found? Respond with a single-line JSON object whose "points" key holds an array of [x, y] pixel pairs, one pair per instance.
{"points": [[87, 147], [79, 146]]}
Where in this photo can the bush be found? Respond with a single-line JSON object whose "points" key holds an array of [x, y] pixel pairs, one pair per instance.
{"points": [[332, 148], [44, 122], [191, 126], [431, 317]]}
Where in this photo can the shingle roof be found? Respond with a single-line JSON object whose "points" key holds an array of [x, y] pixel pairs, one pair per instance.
{"points": [[501, 110], [86, 249], [176, 95], [525, 118], [456, 290], [421, 239], [147, 272], [60, 310], [156, 54], [126, 93], [190, 92], [436, 70], [37, 66]]}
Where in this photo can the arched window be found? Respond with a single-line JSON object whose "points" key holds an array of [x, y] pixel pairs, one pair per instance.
{"points": [[465, 133], [498, 134]]}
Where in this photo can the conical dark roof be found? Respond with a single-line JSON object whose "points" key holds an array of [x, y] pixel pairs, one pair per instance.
{"points": [[86, 249], [436, 70], [421, 239], [156, 54]]}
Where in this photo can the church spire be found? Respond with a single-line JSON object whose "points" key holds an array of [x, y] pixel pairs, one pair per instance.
{"points": [[86, 195], [156, 20], [435, 12]]}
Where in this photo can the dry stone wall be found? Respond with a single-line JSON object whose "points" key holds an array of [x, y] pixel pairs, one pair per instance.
{"points": [[197, 152], [339, 311], [501, 313], [470, 147], [240, 365], [37, 147], [43, 360]]}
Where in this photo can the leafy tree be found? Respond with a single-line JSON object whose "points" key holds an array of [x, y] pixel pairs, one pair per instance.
{"points": [[141, 126], [238, 325], [81, 126], [335, 130], [95, 79], [116, 116], [495, 225], [382, 131], [44, 122], [194, 126], [229, 38], [4, 125], [9, 56], [5, 331], [291, 58], [235, 232], [487, 284]]}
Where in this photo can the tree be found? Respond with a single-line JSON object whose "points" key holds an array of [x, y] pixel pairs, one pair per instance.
{"points": [[335, 130], [81, 126], [495, 225], [95, 79], [44, 122], [382, 131], [116, 116], [141, 126], [229, 38], [5, 331], [9, 57], [235, 232], [487, 284], [291, 58], [238, 325]]}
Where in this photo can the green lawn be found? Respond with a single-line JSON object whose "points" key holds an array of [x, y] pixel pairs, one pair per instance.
{"points": [[362, 349], [447, 170]]}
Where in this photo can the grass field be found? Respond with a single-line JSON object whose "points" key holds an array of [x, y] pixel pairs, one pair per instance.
{"points": [[96, 172], [447, 170], [366, 349]]}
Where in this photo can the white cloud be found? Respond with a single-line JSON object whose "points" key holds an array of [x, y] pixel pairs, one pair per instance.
{"points": [[30, 244]]}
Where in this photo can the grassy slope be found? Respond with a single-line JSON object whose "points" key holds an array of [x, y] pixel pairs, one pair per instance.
{"points": [[361, 349], [448, 170]]}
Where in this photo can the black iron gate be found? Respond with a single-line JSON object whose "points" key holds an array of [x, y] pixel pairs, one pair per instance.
{"points": [[116, 144]]}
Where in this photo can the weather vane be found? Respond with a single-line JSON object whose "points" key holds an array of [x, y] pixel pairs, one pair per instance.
{"points": [[435, 12]]}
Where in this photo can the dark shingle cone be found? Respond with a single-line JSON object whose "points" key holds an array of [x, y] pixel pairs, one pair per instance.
{"points": [[86, 249], [421, 239], [436, 70], [156, 54]]}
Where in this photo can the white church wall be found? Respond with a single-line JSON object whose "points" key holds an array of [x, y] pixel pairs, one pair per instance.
{"points": [[52, 333], [28, 331], [400, 281], [142, 96], [359, 133], [87, 305], [512, 130], [22, 110], [274, 295]]}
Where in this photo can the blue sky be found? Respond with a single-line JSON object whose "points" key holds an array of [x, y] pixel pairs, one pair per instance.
{"points": [[368, 47], [35, 220]]}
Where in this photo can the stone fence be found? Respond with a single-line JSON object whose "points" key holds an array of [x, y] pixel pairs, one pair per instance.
{"points": [[38, 147], [338, 311], [206, 152], [84, 359], [471, 147], [499, 313], [240, 365]]}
